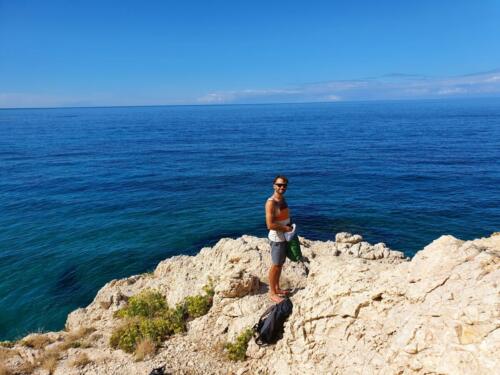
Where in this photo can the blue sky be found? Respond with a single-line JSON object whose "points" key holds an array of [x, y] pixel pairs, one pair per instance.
{"points": [[86, 53]]}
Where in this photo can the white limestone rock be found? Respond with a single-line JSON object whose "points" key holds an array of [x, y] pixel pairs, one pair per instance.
{"points": [[362, 309], [237, 285], [346, 237]]}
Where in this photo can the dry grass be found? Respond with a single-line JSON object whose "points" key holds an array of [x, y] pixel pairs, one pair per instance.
{"points": [[50, 360], [102, 360], [145, 348], [74, 338], [37, 341], [47, 360], [95, 337], [25, 368], [217, 348], [81, 360], [80, 333]]}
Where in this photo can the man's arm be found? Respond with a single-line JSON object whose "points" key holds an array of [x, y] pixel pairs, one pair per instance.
{"points": [[271, 225]]}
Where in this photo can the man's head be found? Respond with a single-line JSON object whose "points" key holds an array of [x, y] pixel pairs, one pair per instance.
{"points": [[280, 184]]}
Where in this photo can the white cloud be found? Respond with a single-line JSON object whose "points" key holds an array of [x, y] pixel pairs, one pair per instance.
{"points": [[392, 86], [236, 96], [215, 98], [333, 98], [388, 87], [452, 91]]}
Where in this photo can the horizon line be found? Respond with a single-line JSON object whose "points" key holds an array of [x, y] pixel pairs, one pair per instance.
{"points": [[249, 104]]}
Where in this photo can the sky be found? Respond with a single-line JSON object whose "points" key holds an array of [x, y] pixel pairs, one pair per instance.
{"points": [[100, 53]]}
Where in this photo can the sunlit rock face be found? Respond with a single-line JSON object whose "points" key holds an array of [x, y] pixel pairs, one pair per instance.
{"points": [[358, 309]]}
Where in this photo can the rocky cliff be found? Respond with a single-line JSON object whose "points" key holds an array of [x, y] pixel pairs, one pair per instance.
{"points": [[361, 309]]}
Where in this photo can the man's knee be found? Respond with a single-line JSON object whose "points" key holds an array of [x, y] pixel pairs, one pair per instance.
{"points": [[277, 267]]}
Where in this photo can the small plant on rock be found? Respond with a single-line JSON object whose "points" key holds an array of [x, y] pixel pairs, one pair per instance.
{"points": [[49, 361], [37, 341], [81, 360], [147, 303], [209, 287], [199, 305], [75, 338], [236, 351], [145, 348]]}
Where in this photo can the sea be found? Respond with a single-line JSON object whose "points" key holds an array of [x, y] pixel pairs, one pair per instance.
{"points": [[88, 195]]}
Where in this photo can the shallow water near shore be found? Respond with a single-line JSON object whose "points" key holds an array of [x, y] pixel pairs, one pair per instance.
{"points": [[92, 194]]}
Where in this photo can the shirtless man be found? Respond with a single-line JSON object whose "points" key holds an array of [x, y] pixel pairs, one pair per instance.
{"points": [[278, 222]]}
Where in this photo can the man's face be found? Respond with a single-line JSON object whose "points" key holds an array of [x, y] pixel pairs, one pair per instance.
{"points": [[280, 186]]}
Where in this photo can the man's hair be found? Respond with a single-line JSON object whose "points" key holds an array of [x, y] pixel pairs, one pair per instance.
{"points": [[280, 177]]}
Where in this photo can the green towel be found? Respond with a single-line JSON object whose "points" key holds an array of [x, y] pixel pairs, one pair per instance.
{"points": [[293, 251]]}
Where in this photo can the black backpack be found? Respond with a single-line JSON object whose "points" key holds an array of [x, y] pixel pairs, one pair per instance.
{"points": [[270, 326], [159, 371]]}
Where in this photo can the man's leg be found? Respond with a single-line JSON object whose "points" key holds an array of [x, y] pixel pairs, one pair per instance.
{"points": [[278, 256], [274, 276], [279, 291]]}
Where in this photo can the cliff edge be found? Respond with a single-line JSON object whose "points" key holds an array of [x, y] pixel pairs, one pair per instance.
{"points": [[361, 309]]}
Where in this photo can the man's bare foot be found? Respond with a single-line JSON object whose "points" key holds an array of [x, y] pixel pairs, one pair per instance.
{"points": [[283, 292], [275, 298]]}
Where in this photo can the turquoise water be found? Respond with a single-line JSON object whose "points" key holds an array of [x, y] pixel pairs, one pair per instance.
{"points": [[92, 194]]}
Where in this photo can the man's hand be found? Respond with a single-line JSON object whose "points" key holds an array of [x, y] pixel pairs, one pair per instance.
{"points": [[288, 228]]}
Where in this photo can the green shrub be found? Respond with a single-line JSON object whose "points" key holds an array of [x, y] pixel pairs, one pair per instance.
{"points": [[149, 317], [126, 336], [197, 306], [156, 329], [176, 319], [209, 288], [147, 303], [237, 350]]}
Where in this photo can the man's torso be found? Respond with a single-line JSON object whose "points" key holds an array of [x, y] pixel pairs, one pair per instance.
{"points": [[281, 215]]}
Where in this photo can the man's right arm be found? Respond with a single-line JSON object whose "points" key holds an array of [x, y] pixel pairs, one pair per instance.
{"points": [[271, 225]]}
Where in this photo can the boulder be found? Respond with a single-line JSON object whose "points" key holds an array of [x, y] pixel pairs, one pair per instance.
{"points": [[346, 237], [237, 285]]}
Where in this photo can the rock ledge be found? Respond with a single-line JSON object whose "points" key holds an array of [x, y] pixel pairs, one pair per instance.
{"points": [[362, 309]]}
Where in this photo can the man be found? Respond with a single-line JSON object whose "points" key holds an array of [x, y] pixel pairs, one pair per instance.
{"points": [[278, 222]]}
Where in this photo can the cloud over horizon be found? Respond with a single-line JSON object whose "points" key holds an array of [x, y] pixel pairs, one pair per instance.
{"points": [[387, 87]]}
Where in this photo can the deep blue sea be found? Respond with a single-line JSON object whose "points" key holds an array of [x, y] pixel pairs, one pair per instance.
{"points": [[92, 194]]}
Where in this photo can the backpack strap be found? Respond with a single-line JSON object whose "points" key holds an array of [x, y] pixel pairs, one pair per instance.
{"points": [[268, 310]]}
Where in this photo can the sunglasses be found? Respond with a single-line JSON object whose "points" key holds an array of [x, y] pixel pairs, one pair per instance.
{"points": [[281, 185]]}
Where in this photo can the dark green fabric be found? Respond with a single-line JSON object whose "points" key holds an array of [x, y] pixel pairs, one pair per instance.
{"points": [[293, 251]]}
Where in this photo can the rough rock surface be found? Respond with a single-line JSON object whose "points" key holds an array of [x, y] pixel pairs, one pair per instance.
{"points": [[362, 309]]}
